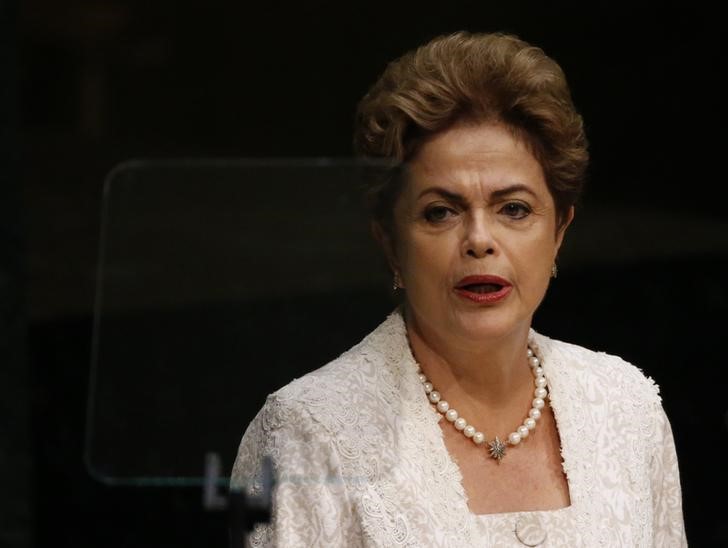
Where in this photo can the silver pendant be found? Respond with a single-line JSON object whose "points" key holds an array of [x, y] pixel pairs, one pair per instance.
{"points": [[497, 449]]}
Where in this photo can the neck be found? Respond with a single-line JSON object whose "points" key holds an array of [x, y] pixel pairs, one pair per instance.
{"points": [[480, 374]]}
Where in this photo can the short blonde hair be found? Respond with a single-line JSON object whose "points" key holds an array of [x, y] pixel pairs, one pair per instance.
{"points": [[480, 78]]}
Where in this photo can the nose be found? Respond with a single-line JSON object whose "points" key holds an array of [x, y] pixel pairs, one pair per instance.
{"points": [[478, 241]]}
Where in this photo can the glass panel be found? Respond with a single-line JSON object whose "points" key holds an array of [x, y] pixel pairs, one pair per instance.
{"points": [[219, 282]]}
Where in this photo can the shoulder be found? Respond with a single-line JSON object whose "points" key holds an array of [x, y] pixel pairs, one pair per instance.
{"points": [[608, 410], [332, 417], [353, 384], [596, 370]]}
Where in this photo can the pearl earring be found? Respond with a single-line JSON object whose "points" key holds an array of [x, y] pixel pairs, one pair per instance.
{"points": [[554, 270], [397, 282]]}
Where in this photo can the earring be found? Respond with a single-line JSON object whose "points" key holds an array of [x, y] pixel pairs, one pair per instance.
{"points": [[554, 270], [397, 282]]}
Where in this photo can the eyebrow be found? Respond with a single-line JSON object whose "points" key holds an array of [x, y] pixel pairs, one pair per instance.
{"points": [[496, 194]]}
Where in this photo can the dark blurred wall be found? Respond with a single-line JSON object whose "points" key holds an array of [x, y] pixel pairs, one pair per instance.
{"points": [[16, 455], [103, 81]]}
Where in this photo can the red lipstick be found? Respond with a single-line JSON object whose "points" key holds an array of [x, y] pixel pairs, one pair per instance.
{"points": [[483, 289]]}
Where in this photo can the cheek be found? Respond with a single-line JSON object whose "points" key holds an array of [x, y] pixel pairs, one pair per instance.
{"points": [[532, 262], [427, 260], [415, 259]]}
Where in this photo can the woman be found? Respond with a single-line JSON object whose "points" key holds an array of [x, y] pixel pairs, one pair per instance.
{"points": [[454, 423]]}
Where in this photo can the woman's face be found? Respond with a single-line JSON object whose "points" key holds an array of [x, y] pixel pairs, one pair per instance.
{"points": [[475, 234]]}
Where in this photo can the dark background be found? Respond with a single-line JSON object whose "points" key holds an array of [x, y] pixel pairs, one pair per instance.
{"points": [[85, 85]]}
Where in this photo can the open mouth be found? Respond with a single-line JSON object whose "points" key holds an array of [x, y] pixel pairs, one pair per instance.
{"points": [[484, 289], [481, 288]]}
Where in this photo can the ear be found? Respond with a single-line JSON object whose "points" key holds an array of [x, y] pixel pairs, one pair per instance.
{"points": [[562, 230], [386, 243]]}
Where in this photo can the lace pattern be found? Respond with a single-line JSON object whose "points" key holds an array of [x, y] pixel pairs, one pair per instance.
{"points": [[361, 461]]}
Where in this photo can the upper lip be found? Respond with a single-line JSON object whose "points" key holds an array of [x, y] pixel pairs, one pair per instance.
{"points": [[482, 279]]}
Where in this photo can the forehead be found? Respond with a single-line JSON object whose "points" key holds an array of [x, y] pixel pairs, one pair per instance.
{"points": [[470, 154]]}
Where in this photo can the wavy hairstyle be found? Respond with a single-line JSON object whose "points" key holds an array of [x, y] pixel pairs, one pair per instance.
{"points": [[478, 78]]}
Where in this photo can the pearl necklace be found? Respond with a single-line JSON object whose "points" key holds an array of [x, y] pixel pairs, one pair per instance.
{"points": [[496, 448]]}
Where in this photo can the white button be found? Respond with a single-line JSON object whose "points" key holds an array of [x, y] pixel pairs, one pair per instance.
{"points": [[530, 531]]}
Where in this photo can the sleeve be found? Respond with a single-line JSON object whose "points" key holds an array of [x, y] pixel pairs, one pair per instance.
{"points": [[668, 524], [310, 504]]}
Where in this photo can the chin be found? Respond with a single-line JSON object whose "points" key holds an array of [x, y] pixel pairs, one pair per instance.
{"points": [[484, 327]]}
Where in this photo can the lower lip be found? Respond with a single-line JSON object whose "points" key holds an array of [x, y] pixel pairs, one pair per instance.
{"points": [[485, 298]]}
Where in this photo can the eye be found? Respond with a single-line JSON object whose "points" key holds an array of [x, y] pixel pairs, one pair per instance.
{"points": [[438, 214], [516, 210]]}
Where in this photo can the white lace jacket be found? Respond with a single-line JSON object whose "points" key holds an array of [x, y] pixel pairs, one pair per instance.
{"points": [[360, 458]]}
